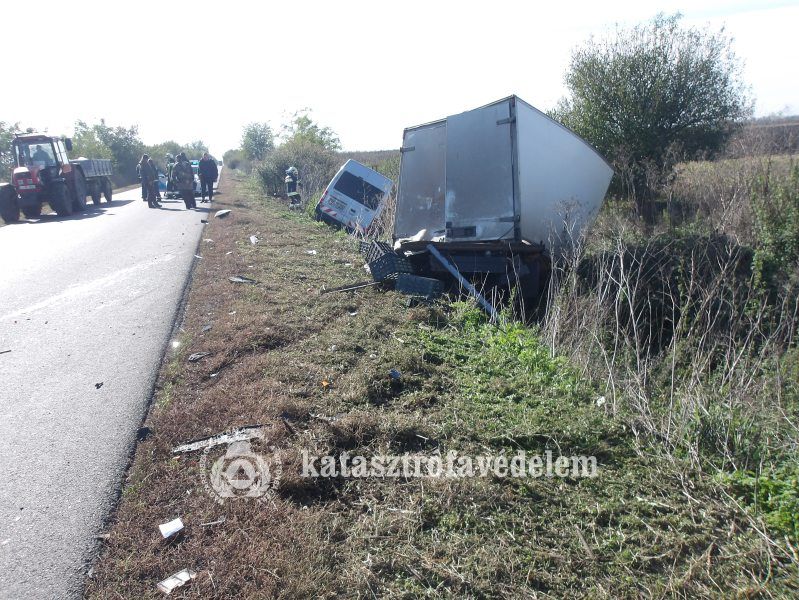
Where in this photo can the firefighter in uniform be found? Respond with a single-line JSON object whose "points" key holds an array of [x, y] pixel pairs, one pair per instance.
{"points": [[292, 183]]}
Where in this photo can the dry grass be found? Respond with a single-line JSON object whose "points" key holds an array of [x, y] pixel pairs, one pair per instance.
{"points": [[645, 526]]}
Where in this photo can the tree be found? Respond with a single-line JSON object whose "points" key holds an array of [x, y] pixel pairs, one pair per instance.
{"points": [[257, 141], [6, 156], [652, 95], [124, 144], [302, 128]]}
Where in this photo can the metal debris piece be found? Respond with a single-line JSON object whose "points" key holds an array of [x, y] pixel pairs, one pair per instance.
{"points": [[171, 528], [395, 374], [207, 328], [197, 356], [208, 240], [311, 252], [353, 313], [254, 239], [197, 256], [487, 306], [98, 385], [177, 580], [351, 287], [217, 522], [241, 434], [7, 351], [203, 221], [241, 279], [221, 214]]}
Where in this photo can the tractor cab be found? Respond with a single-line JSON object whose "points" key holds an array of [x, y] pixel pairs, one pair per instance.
{"points": [[39, 160]]}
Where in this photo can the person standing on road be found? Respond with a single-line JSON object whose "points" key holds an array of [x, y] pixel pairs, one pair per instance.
{"points": [[170, 185], [157, 186], [149, 180], [208, 175], [183, 176]]}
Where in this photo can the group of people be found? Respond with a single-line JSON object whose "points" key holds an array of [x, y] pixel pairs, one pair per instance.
{"points": [[180, 179]]}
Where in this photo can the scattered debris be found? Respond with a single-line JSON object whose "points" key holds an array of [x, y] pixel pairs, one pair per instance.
{"points": [[221, 214], [98, 385], [325, 383], [333, 348], [207, 328], [241, 434], [600, 401], [102, 536], [395, 374], [7, 351], [254, 240], [142, 433], [203, 221], [353, 313], [197, 356], [171, 528], [210, 523], [241, 279], [208, 240], [311, 252], [177, 580], [197, 256]]}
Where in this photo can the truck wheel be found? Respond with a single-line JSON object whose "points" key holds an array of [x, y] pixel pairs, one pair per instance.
{"points": [[107, 190], [8, 203], [79, 190], [94, 192], [32, 212], [60, 200]]}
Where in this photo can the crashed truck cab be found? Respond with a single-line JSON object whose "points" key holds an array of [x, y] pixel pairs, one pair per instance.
{"points": [[498, 191]]}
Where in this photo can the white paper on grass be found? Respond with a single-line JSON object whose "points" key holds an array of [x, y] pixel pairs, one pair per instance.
{"points": [[171, 528], [175, 581]]}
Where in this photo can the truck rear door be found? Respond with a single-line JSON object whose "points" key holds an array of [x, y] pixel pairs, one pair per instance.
{"points": [[479, 202]]}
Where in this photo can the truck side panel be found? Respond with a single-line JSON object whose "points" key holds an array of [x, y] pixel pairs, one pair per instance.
{"points": [[562, 179]]}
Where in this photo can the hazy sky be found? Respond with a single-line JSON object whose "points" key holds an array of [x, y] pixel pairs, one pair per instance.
{"points": [[187, 70]]}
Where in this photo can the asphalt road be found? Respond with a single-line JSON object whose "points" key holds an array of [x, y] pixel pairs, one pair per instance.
{"points": [[84, 301]]}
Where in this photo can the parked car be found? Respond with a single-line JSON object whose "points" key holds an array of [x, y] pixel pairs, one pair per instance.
{"points": [[354, 197]]}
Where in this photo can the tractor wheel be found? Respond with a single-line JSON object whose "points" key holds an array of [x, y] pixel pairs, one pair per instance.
{"points": [[60, 199], [95, 192], [32, 212], [107, 190], [79, 191], [8, 203]]}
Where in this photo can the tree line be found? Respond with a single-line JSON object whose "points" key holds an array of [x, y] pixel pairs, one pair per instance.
{"points": [[122, 145]]}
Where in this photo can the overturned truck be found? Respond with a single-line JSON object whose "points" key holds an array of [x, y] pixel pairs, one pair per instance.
{"points": [[494, 192]]}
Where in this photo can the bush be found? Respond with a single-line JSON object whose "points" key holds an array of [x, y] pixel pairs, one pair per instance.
{"points": [[316, 165]]}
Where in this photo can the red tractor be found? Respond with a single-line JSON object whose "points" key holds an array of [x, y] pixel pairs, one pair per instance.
{"points": [[44, 173]]}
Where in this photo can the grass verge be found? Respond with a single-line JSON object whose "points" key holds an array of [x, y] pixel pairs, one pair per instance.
{"points": [[316, 372]]}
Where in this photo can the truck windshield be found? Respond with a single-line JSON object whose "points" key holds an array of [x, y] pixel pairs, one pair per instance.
{"points": [[359, 190], [36, 154]]}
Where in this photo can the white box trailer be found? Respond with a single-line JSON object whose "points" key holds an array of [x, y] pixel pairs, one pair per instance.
{"points": [[503, 173]]}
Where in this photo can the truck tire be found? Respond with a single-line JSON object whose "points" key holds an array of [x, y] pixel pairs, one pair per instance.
{"points": [[79, 191], [32, 212], [9, 210], [60, 199], [94, 192], [107, 190]]}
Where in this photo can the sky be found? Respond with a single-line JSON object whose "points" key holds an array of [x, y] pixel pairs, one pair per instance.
{"points": [[367, 69]]}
